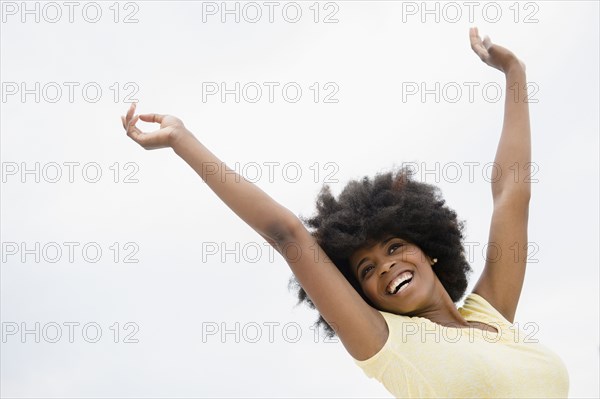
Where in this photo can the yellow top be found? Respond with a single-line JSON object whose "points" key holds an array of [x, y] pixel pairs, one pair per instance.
{"points": [[423, 359]]}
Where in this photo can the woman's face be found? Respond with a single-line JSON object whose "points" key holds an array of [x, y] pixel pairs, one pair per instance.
{"points": [[380, 268]]}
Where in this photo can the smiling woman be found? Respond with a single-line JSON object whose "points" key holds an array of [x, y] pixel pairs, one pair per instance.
{"points": [[401, 249], [384, 264], [357, 233]]}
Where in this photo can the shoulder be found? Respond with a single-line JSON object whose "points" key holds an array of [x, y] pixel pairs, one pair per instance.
{"points": [[476, 305], [375, 345], [382, 345], [398, 328]]}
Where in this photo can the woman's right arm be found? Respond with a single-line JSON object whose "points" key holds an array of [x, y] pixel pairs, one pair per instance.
{"points": [[248, 201], [361, 328]]}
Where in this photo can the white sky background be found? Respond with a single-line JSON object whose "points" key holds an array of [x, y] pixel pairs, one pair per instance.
{"points": [[172, 217]]}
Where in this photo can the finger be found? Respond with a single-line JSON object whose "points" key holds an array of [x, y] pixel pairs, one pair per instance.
{"points": [[474, 36], [476, 43], [154, 118], [479, 48], [487, 42], [138, 133], [133, 121], [130, 113], [148, 140], [482, 52], [125, 123], [133, 131], [131, 128]]}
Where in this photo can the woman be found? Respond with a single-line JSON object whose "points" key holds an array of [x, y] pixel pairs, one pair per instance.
{"points": [[385, 264]]}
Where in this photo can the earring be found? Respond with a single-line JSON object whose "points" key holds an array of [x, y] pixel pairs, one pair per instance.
{"points": [[434, 261]]}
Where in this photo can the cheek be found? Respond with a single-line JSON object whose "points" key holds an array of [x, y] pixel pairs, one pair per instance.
{"points": [[370, 288], [416, 254]]}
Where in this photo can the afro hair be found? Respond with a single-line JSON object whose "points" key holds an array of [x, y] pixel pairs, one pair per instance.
{"points": [[391, 203]]}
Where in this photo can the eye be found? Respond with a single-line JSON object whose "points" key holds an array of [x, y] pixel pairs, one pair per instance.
{"points": [[366, 270], [393, 247]]}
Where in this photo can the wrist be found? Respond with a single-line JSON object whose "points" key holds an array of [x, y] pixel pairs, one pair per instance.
{"points": [[177, 136], [515, 66]]}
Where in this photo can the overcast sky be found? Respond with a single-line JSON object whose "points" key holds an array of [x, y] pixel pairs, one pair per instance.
{"points": [[137, 281]]}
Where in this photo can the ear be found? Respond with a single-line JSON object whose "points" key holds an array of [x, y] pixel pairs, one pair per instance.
{"points": [[431, 261]]}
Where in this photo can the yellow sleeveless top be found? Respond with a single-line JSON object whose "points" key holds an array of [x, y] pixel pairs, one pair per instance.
{"points": [[423, 359]]}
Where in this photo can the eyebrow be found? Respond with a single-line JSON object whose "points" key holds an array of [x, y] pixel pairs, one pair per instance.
{"points": [[381, 244]]}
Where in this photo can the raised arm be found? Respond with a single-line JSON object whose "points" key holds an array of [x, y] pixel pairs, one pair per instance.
{"points": [[248, 201], [361, 328], [504, 272]]}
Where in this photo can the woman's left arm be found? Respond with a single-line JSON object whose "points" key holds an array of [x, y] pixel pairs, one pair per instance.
{"points": [[504, 272]]}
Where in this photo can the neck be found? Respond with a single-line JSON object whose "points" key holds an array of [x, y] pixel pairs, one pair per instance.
{"points": [[442, 310]]}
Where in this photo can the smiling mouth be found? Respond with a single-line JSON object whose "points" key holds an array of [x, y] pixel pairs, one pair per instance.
{"points": [[400, 283]]}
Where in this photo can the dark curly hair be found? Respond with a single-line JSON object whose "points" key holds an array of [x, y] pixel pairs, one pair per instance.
{"points": [[392, 203]]}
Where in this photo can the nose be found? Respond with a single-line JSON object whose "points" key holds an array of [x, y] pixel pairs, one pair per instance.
{"points": [[385, 267]]}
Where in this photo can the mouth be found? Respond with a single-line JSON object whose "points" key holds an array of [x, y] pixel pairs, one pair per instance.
{"points": [[400, 283]]}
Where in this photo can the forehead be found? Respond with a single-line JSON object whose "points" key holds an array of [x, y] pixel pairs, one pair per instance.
{"points": [[371, 245]]}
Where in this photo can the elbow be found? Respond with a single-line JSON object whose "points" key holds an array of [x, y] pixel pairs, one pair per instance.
{"points": [[513, 191], [520, 196]]}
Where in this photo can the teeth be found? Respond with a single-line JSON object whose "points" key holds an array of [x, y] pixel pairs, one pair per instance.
{"points": [[397, 281]]}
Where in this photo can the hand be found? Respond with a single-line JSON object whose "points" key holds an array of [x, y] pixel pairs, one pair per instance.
{"points": [[170, 129], [492, 54]]}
